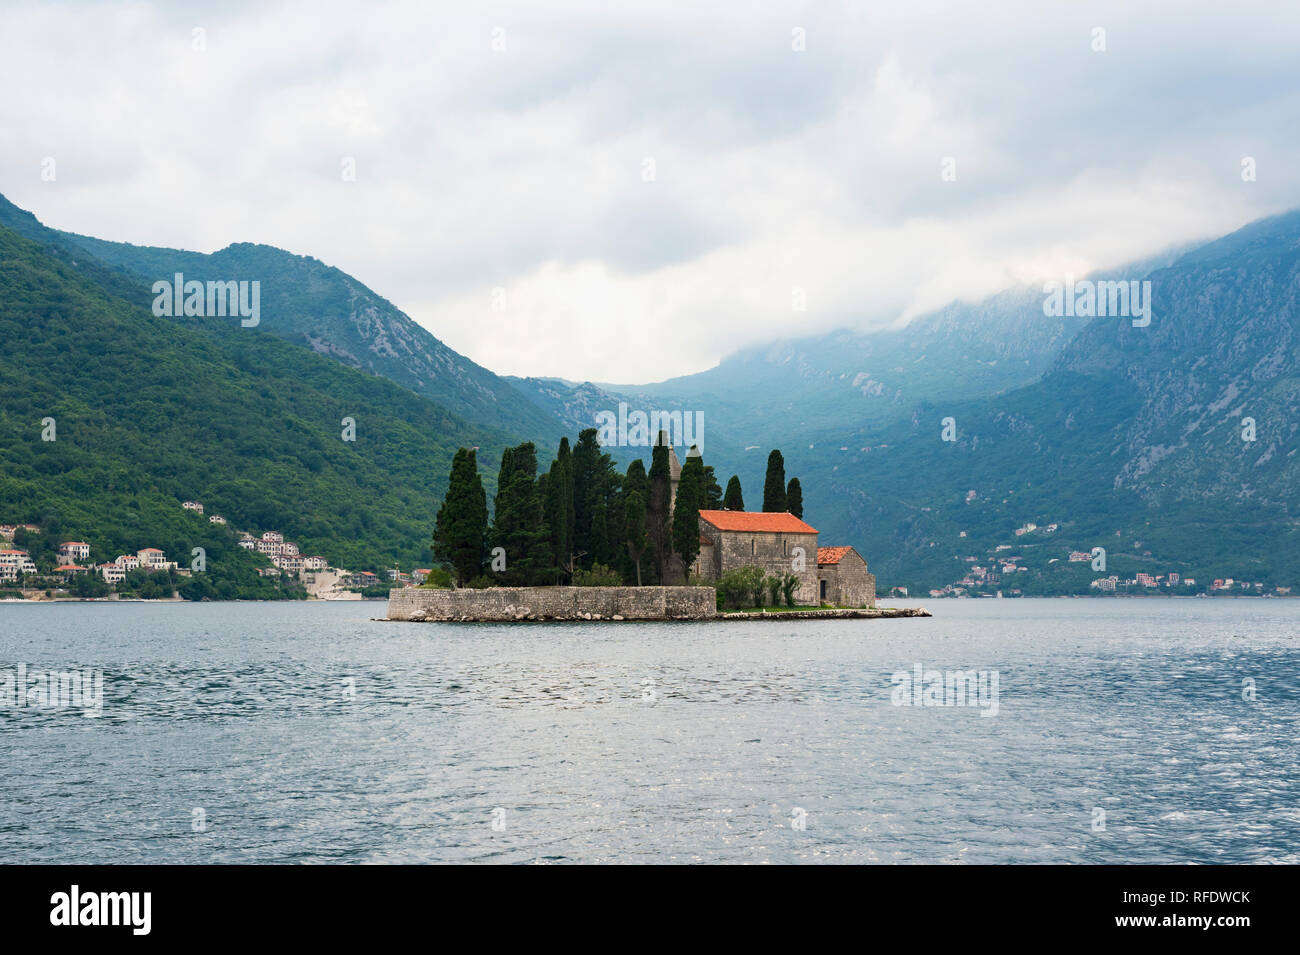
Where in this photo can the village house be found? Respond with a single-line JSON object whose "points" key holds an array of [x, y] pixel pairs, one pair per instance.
{"points": [[216, 519], [74, 551], [194, 506], [780, 543], [291, 564], [152, 559], [112, 573], [15, 563]]}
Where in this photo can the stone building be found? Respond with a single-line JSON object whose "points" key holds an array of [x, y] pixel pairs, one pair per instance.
{"points": [[779, 544], [842, 578], [775, 543]]}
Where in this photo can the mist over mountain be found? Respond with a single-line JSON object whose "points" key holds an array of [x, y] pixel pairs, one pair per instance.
{"points": [[1137, 439]]}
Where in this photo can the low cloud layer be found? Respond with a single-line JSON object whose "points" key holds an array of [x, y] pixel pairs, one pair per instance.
{"points": [[561, 190]]}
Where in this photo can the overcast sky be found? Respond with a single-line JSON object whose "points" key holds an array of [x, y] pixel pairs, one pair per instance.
{"points": [[648, 188]]}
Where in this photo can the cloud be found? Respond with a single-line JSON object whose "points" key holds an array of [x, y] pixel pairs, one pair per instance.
{"points": [[777, 174]]}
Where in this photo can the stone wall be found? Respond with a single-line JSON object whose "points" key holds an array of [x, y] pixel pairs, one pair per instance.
{"points": [[499, 604]]}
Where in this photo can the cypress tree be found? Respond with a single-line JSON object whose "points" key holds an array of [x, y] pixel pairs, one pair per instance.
{"points": [[712, 490], [686, 511], [559, 509], [657, 516], [634, 532], [732, 500], [460, 534], [794, 498], [586, 489], [635, 482], [517, 524], [774, 485]]}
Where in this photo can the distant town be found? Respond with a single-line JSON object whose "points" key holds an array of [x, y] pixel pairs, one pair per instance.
{"points": [[71, 570], [1007, 570]]}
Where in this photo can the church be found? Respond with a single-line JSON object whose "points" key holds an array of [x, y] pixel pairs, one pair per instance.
{"points": [[780, 543]]}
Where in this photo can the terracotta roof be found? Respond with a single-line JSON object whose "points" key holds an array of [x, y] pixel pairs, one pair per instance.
{"points": [[770, 522], [831, 555]]}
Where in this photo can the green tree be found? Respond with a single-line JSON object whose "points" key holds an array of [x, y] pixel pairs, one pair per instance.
{"points": [[657, 515], [559, 510], [598, 576], [686, 510], [88, 584], [517, 523], [636, 481], [634, 532], [712, 490], [733, 500], [794, 498], [773, 585], [595, 483], [789, 583], [460, 535], [774, 484], [737, 586]]}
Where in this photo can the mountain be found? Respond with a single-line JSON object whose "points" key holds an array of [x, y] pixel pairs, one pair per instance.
{"points": [[1134, 440], [313, 305], [1172, 446], [151, 411]]}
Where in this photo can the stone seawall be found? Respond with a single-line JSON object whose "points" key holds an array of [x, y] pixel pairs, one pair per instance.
{"points": [[501, 604]]}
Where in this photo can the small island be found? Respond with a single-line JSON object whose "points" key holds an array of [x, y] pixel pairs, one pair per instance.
{"points": [[584, 542]]}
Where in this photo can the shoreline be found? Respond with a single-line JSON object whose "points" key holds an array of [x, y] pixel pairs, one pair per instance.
{"points": [[826, 613]]}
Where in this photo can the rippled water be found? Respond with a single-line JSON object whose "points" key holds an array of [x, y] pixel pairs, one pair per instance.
{"points": [[309, 733]]}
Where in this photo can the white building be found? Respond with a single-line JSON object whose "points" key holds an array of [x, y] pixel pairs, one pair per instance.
{"points": [[74, 550], [151, 559], [216, 519], [14, 563], [194, 506], [112, 573], [289, 564]]}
